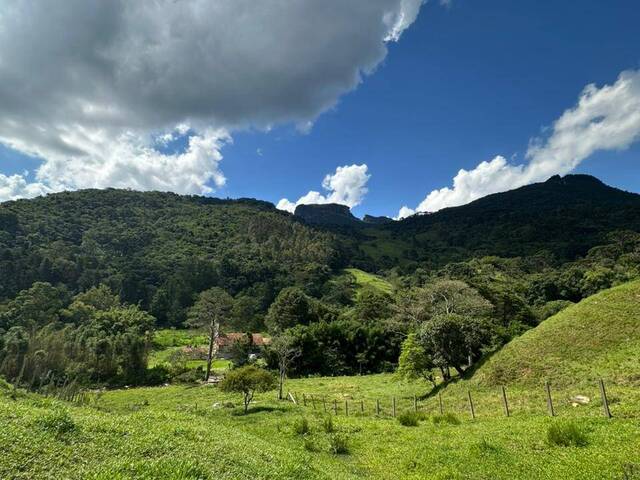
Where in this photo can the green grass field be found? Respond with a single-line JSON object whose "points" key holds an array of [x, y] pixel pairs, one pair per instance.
{"points": [[169, 341], [196, 432], [180, 432], [368, 280]]}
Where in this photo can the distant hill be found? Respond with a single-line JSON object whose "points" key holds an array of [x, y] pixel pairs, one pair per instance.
{"points": [[160, 248], [563, 217], [330, 214], [596, 338]]}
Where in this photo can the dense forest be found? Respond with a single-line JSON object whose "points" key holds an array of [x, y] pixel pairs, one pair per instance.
{"points": [[86, 276]]}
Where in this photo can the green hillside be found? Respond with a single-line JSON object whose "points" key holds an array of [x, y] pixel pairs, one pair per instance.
{"points": [[368, 280], [598, 337]]}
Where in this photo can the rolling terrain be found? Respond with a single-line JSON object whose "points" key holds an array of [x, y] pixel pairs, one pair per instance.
{"points": [[182, 432]]}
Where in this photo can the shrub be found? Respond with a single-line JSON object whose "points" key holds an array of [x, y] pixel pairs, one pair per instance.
{"points": [[327, 424], [310, 445], [57, 422], [449, 418], [566, 434], [408, 419], [483, 447], [191, 376], [247, 380], [157, 375], [338, 444], [301, 426]]}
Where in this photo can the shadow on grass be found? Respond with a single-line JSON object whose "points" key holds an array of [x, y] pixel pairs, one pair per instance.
{"points": [[239, 412], [466, 375]]}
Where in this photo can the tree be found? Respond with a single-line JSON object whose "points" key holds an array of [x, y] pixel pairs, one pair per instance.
{"points": [[372, 305], [414, 361], [212, 308], [290, 308], [285, 350], [440, 297], [34, 307], [452, 340], [240, 349], [247, 380]]}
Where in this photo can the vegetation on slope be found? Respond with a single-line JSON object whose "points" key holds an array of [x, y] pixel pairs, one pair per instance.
{"points": [[368, 280], [596, 338], [181, 433]]}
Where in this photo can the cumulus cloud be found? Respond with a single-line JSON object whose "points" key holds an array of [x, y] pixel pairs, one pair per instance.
{"points": [[347, 186], [90, 78], [606, 118], [16, 186]]}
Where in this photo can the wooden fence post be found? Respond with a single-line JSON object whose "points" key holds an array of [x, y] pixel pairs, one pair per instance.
{"points": [[346, 407], [415, 404], [335, 407], [605, 402], [505, 404], [362, 407], [377, 406], [393, 405], [547, 389], [440, 402], [304, 399], [473, 412], [313, 401]]}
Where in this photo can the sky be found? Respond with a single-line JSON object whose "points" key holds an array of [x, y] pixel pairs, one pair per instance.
{"points": [[389, 106]]}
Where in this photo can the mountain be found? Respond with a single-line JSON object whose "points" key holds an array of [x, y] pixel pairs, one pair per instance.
{"points": [[330, 214], [376, 220], [160, 248], [596, 338], [563, 217]]}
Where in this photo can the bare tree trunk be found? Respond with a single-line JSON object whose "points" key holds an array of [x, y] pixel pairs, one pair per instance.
{"points": [[282, 373], [213, 337], [247, 401]]}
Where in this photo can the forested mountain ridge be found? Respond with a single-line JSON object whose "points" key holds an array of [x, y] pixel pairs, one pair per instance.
{"points": [[159, 249], [155, 248], [562, 218]]}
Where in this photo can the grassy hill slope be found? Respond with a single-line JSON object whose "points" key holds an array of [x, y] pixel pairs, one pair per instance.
{"points": [[368, 280], [598, 337]]}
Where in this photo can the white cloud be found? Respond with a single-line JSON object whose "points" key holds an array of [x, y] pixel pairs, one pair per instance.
{"points": [[606, 118], [111, 75], [404, 212], [17, 186], [347, 186]]}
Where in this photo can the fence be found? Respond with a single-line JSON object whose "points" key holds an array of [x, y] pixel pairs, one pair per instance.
{"points": [[499, 402]]}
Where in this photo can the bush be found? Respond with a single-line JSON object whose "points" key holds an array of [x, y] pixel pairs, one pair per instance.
{"points": [[57, 422], [449, 418], [301, 426], [247, 380], [327, 424], [338, 444], [408, 419], [310, 445], [566, 435], [157, 375], [190, 376]]}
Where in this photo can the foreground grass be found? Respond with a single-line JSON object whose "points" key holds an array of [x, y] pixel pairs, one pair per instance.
{"points": [[190, 433]]}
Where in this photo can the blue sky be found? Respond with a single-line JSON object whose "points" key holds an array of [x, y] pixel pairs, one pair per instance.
{"points": [[464, 84]]}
